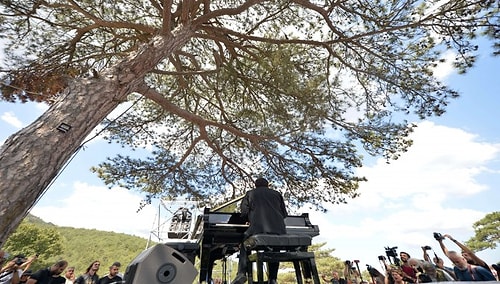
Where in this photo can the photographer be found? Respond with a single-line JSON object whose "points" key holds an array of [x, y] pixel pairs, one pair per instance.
{"points": [[350, 273], [469, 272], [467, 253], [11, 272], [442, 271]]}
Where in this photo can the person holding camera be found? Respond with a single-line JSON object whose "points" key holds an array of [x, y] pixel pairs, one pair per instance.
{"points": [[11, 273], [350, 273], [469, 272], [442, 272], [467, 253]]}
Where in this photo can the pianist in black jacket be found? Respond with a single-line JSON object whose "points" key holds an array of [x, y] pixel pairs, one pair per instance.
{"points": [[265, 211]]}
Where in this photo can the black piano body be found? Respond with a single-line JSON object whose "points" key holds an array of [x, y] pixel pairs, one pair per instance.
{"points": [[219, 234]]}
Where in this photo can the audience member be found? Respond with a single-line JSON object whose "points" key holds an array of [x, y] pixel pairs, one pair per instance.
{"points": [[3, 257], [24, 278], [12, 271], [467, 253], [409, 273], [496, 270], [395, 275], [112, 276], [442, 272], [448, 271], [90, 276], [469, 272], [70, 275], [377, 276], [418, 268], [51, 275], [435, 274], [351, 275], [334, 279]]}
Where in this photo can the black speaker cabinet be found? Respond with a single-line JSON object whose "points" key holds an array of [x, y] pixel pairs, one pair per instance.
{"points": [[160, 264]]}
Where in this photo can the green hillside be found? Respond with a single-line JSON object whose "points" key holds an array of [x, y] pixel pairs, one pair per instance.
{"points": [[79, 247]]}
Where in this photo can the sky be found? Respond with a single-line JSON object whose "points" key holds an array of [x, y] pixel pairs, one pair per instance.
{"points": [[444, 183]]}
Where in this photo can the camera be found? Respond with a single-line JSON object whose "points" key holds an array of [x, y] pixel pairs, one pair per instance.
{"points": [[19, 261], [391, 252], [438, 236], [426, 247], [348, 262], [381, 257]]}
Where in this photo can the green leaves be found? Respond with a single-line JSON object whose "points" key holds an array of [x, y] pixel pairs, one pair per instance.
{"points": [[297, 91], [487, 232]]}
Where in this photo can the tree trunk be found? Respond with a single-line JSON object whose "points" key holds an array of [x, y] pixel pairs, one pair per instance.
{"points": [[31, 158]]}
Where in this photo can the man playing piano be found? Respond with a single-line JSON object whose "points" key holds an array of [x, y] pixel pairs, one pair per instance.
{"points": [[265, 211]]}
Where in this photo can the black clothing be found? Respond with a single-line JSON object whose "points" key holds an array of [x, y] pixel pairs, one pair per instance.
{"points": [[87, 279], [265, 210], [107, 280], [337, 281], [44, 276]]}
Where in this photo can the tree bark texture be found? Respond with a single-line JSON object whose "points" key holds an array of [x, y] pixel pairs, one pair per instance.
{"points": [[31, 158]]}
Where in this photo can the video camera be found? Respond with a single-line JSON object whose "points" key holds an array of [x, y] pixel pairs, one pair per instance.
{"points": [[372, 271], [391, 252], [426, 248], [349, 264], [438, 236]]}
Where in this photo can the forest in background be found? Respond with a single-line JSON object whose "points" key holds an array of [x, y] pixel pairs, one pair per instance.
{"points": [[80, 247]]}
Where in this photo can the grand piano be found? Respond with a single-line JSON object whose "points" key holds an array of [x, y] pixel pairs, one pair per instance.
{"points": [[218, 232]]}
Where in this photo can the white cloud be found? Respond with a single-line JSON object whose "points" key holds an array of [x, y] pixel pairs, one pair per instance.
{"points": [[402, 203], [445, 69], [405, 201], [11, 119], [97, 207]]}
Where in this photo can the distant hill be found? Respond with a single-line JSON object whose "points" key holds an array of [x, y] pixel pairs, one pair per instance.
{"points": [[83, 246]]}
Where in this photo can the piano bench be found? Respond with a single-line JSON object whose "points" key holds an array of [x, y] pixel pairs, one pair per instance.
{"points": [[277, 242], [281, 248], [297, 257]]}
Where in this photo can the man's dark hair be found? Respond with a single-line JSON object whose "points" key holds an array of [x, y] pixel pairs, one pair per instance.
{"points": [[261, 182], [405, 253]]}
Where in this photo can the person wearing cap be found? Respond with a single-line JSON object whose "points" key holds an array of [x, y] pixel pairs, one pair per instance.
{"points": [[112, 276], [265, 211], [50, 275]]}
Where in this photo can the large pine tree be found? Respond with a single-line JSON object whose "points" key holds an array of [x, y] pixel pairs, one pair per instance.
{"points": [[226, 90]]}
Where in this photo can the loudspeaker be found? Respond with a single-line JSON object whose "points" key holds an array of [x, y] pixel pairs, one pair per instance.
{"points": [[160, 264]]}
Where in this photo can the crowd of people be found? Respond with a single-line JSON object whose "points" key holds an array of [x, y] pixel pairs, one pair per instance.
{"points": [[16, 271], [264, 211], [404, 269]]}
